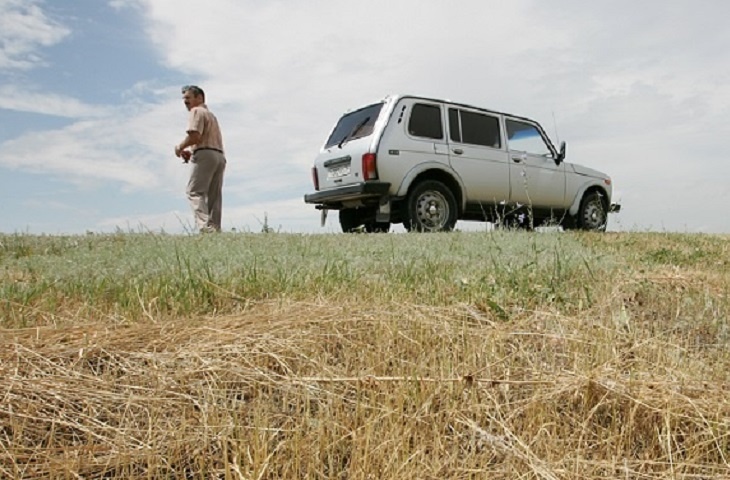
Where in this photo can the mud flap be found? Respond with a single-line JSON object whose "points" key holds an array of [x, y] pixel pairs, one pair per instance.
{"points": [[383, 213]]}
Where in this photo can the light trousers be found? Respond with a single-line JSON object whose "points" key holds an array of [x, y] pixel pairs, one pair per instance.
{"points": [[205, 189]]}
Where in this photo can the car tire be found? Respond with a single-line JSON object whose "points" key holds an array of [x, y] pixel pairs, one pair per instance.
{"points": [[361, 220], [430, 207], [350, 220], [592, 214]]}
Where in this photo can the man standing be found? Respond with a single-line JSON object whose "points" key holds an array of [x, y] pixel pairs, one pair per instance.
{"points": [[209, 163]]}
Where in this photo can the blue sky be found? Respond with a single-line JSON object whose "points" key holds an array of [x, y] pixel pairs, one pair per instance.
{"points": [[91, 107]]}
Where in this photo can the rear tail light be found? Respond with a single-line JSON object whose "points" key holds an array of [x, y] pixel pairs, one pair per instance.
{"points": [[369, 167], [315, 178]]}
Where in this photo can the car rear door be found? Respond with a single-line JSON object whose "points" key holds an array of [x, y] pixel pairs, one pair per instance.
{"points": [[478, 154], [414, 138]]}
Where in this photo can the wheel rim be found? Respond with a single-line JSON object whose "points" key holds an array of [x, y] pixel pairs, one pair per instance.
{"points": [[432, 210], [594, 216]]}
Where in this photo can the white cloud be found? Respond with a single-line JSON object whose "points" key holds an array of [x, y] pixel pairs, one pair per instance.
{"points": [[86, 151], [170, 222], [24, 30], [120, 4], [20, 99], [284, 216]]}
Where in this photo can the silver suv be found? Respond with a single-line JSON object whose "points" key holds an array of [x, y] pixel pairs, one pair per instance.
{"points": [[427, 163]]}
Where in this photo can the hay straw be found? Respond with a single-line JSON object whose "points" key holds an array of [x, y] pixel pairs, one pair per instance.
{"points": [[315, 390]]}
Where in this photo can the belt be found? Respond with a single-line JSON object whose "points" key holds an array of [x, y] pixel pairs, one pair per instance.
{"points": [[207, 148]]}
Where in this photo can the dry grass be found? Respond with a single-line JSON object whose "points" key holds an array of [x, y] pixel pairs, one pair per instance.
{"points": [[622, 372]]}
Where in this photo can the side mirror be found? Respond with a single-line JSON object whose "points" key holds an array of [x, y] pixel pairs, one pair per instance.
{"points": [[561, 154]]}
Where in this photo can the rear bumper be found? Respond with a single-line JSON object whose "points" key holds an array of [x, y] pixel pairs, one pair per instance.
{"points": [[359, 191]]}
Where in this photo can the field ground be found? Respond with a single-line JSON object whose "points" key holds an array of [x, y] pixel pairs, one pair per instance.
{"points": [[496, 355]]}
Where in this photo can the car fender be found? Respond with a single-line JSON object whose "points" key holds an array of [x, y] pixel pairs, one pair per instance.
{"points": [[417, 170], [590, 183]]}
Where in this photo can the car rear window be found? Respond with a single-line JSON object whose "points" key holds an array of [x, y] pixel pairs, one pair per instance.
{"points": [[426, 121], [353, 125]]}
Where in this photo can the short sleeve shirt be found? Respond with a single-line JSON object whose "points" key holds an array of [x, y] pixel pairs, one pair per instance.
{"points": [[201, 120]]}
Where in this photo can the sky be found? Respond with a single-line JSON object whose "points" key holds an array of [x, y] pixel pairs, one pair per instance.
{"points": [[90, 106]]}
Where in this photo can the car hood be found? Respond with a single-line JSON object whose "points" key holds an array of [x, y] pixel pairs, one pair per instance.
{"points": [[589, 172]]}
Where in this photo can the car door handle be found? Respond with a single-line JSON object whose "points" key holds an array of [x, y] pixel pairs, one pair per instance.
{"points": [[517, 159], [458, 151]]}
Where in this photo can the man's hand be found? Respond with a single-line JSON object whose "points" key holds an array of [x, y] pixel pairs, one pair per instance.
{"points": [[182, 153]]}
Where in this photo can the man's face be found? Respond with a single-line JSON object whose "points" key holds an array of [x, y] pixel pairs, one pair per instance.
{"points": [[190, 99]]}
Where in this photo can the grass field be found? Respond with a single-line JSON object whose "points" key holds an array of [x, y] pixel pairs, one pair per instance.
{"points": [[495, 355]]}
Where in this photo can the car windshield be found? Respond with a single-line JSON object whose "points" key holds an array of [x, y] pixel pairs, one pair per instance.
{"points": [[353, 125]]}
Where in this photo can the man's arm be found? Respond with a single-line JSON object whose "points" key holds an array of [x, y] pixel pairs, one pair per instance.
{"points": [[192, 138]]}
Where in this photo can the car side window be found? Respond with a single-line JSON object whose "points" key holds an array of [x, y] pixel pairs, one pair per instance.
{"points": [[454, 125], [525, 137], [426, 122], [474, 128]]}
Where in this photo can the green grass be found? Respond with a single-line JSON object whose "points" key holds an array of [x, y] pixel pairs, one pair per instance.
{"points": [[46, 277]]}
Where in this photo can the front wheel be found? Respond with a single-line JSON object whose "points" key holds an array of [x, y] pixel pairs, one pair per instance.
{"points": [[593, 214], [430, 207]]}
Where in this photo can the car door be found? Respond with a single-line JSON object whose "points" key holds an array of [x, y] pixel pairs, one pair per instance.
{"points": [[477, 152], [415, 136], [536, 180]]}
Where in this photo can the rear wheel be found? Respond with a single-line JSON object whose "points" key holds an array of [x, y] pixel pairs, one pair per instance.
{"points": [[349, 220], [593, 214], [430, 207], [361, 220]]}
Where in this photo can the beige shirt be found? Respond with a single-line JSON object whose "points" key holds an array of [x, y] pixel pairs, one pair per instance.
{"points": [[201, 120]]}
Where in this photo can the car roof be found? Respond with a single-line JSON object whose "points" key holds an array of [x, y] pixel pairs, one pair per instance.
{"points": [[397, 97]]}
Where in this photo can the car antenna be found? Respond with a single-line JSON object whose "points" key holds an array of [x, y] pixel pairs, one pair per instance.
{"points": [[555, 126]]}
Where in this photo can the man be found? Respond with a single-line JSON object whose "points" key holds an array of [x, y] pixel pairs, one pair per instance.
{"points": [[209, 163]]}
